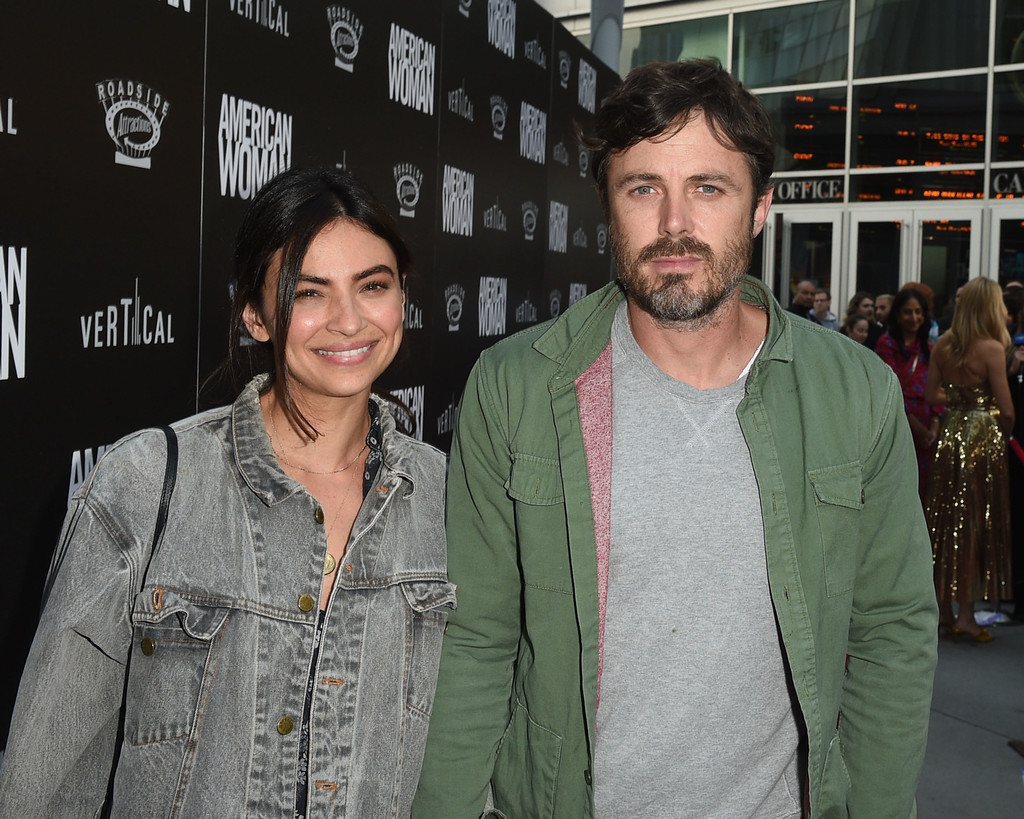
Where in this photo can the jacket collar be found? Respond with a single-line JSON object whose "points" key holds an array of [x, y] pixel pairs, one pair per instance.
{"points": [[258, 465], [577, 337]]}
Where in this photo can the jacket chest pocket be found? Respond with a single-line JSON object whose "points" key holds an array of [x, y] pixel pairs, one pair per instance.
{"points": [[175, 650], [535, 484], [838, 501]]}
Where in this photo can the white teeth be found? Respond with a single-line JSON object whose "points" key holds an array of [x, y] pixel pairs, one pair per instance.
{"points": [[345, 353]]}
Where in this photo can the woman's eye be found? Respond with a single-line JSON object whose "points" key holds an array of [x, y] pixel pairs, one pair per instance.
{"points": [[305, 294]]}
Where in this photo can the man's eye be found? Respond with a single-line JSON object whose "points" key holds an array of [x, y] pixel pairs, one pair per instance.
{"points": [[644, 190], [707, 189]]}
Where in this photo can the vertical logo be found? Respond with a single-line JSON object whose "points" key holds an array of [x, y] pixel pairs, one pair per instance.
{"points": [[577, 290], [501, 26], [579, 239], [412, 317], [534, 52], [526, 313], [558, 227], [530, 213], [408, 179], [446, 420], [492, 303], [459, 102], [346, 32], [134, 113], [564, 68], [499, 116], [457, 201], [560, 154], [129, 323], [454, 296], [184, 5], [533, 132], [82, 463], [464, 7], [411, 401], [494, 218], [587, 86], [270, 14], [7, 125], [254, 143], [13, 296], [411, 70]]}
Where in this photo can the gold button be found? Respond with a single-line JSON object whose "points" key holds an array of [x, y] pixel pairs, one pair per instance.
{"points": [[148, 645], [306, 602], [318, 515], [285, 725]]}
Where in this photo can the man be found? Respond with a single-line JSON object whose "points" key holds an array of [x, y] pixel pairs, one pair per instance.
{"points": [[823, 309], [883, 304], [693, 573], [803, 301]]}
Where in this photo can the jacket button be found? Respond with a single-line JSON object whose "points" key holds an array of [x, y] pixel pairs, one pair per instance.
{"points": [[318, 515], [306, 602], [148, 645], [285, 725], [587, 777]]}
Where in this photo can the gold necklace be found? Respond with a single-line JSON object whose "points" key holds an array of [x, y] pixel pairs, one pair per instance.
{"points": [[284, 460], [331, 564]]}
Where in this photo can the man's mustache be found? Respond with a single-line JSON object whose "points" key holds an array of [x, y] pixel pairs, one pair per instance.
{"points": [[686, 246]]}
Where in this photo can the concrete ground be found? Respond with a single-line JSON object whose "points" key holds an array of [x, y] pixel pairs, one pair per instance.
{"points": [[970, 772]]}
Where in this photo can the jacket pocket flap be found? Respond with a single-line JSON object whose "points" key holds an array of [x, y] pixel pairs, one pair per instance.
{"points": [[838, 485], [535, 480], [423, 595], [199, 621]]}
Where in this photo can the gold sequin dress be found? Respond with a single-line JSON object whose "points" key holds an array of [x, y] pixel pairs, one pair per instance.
{"points": [[968, 506]]}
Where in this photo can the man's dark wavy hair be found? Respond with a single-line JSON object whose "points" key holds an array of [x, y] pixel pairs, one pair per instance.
{"points": [[660, 98]]}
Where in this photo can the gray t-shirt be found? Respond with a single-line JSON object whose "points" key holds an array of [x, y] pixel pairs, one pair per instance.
{"points": [[695, 716]]}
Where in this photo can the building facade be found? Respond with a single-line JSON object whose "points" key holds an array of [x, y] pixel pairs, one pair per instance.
{"points": [[900, 128]]}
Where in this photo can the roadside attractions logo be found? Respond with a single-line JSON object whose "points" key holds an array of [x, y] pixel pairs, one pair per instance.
{"points": [[346, 31], [133, 115], [408, 180]]}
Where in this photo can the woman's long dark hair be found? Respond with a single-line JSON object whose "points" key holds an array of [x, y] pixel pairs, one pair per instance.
{"points": [[923, 331], [287, 215]]}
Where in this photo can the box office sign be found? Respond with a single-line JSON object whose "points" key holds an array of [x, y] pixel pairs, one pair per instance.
{"points": [[807, 191]]}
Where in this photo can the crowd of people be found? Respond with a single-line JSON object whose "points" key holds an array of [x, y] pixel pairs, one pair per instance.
{"points": [[961, 378]]}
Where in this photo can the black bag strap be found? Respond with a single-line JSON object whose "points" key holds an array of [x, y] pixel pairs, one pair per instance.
{"points": [[170, 478]]}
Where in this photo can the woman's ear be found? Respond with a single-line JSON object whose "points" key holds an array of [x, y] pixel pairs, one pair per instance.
{"points": [[254, 323]]}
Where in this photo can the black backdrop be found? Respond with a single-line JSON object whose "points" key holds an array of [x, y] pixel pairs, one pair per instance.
{"points": [[134, 132]]}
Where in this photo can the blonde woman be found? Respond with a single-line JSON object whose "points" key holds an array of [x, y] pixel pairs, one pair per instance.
{"points": [[968, 502]]}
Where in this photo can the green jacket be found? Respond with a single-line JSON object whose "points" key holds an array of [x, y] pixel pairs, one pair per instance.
{"points": [[849, 565]]}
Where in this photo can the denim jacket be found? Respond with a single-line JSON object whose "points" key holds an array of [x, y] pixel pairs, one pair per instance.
{"points": [[221, 636], [847, 549]]}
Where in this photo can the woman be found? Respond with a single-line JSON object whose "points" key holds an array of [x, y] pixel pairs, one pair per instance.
{"points": [[968, 503], [863, 304], [906, 348], [856, 327], [282, 644]]}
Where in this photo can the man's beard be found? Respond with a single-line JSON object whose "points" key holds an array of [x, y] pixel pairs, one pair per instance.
{"points": [[669, 299]]}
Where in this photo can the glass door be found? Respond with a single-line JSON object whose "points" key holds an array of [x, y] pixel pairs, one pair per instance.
{"points": [[938, 247], [808, 247], [1007, 247]]}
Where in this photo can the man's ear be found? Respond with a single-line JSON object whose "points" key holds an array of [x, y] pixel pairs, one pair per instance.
{"points": [[254, 323], [761, 211]]}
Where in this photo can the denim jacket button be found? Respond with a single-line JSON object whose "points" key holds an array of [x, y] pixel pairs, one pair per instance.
{"points": [[285, 725], [318, 515], [148, 645], [306, 602]]}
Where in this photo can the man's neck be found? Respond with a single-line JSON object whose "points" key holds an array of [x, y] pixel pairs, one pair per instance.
{"points": [[707, 357]]}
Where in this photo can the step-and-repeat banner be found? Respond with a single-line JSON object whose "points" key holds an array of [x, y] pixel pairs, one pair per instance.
{"points": [[134, 133]]}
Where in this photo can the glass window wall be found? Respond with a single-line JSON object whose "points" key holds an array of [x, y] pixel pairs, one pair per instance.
{"points": [[792, 45], [810, 129], [1010, 32], [918, 36], [676, 41]]}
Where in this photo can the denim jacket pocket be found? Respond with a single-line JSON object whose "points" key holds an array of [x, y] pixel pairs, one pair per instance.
{"points": [[428, 602], [838, 500], [174, 657]]}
